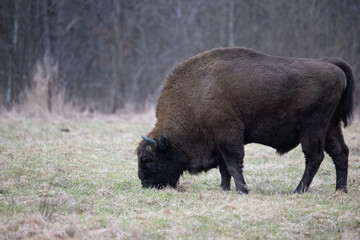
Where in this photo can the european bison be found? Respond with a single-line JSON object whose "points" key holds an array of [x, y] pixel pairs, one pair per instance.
{"points": [[216, 102]]}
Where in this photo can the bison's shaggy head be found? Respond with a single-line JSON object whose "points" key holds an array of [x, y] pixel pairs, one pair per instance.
{"points": [[158, 163]]}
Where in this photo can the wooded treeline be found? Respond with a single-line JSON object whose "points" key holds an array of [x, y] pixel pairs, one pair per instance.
{"points": [[110, 53]]}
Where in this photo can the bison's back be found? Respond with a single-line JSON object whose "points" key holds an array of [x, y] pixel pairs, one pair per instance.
{"points": [[244, 75], [247, 79], [268, 94]]}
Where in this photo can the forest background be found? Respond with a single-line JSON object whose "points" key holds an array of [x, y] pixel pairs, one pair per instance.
{"points": [[104, 56]]}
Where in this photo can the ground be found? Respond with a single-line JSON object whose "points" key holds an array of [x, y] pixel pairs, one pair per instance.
{"points": [[77, 178]]}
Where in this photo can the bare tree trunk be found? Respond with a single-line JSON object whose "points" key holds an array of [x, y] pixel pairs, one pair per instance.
{"points": [[13, 55], [46, 31], [47, 48], [231, 6], [115, 58], [59, 28], [9, 84]]}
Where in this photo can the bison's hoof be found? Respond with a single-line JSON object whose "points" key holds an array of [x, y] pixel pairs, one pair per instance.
{"points": [[225, 187], [342, 189], [298, 191], [243, 190]]}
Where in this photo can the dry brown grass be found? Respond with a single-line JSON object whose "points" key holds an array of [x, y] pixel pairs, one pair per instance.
{"points": [[82, 184], [35, 227]]}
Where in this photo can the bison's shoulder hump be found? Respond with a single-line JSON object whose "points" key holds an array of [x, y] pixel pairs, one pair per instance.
{"points": [[202, 59]]}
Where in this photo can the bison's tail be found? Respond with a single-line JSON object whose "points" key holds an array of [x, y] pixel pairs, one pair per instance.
{"points": [[346, 105]]}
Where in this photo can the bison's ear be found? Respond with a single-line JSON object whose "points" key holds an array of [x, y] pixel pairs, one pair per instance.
{"points": [[164, 142]]}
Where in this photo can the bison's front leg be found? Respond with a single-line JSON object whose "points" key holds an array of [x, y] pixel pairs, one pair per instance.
{"points": [[232, 151], [225, 176]]}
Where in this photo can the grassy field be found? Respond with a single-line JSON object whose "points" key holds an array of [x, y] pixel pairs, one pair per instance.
{"points": [[77, 178]]}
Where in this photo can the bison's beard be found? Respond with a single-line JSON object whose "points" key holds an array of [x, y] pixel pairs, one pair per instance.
{"points": [[159, 180]]}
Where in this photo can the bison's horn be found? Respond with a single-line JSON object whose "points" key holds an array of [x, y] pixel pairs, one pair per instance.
{"points": [[152, 143]]}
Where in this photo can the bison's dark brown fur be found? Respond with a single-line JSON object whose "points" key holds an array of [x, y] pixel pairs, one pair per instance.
{"points": [[215, 102]]}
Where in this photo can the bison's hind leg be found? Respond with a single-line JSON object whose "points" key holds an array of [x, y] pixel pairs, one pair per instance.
{"points": [[312, 144], [335, 146], [225, 176]]}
